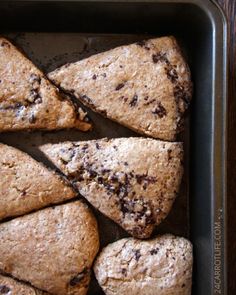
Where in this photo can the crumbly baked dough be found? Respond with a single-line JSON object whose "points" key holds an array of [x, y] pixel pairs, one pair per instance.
{"points": [[52, 249], [9, 286], [144, 86], [28, 100], [133, 181], [26, 185], [160, 266]]}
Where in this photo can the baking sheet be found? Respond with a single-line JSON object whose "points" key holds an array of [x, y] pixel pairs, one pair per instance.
{"points": [[50, 50]]}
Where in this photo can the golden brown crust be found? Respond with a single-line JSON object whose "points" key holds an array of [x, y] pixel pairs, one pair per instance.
{"points": [[134, 181], [160, 266], [27, 185], [52, 249], [145, 86], [28, 100]]}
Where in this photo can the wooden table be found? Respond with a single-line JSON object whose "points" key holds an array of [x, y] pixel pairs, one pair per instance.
{"points": [[230, 9]]}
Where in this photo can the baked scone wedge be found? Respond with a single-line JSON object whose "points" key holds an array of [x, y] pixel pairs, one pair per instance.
{"points": [[160, 266], [133, 181], [28, 100], [144, 86], [27, 185], [9, 286], [52, 249]]}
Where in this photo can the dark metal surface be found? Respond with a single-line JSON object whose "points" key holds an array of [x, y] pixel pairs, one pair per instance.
{"points": [[201, 30], [230, 10]]}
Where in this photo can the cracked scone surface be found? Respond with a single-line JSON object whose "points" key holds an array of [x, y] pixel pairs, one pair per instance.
{"points": [[28, 100], [26, 185], [160, 266], [144, 86], [9, 286], [52, 249], [133, 181]]}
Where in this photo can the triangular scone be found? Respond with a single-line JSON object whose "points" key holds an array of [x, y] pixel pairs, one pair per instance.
{"points": [[26, 185], [13, 287], [28, 100], [52, 249], [144, 86], [133, 181], [161, 266]]}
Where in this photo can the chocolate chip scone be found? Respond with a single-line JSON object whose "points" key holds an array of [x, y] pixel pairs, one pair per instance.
{"points": [[52, 249], [133, 181], [26, 185], [160, 266], [144, 86], [28, 100], [9, 286]]}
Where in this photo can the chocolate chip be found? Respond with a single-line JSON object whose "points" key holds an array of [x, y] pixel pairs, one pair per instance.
{"points": [[137, 255], [15, 106], [154, 251], [141, 43], [145, 186], [34, 96], [84, 147], [126, 164], [32, 119], [119, 86], [180, 94], [97, 146], [4, 289], [78, 278], [159, 57], [124, 98], [134, 101], [23, 193], [145, 178], [183, 286], [100, 180], [171, 74], [34, 78], [94, 77], [149, 102], [104, 75], [160, 111], [169, 154], [124, 271], [38, 100], [92, 173], [5, 43]]}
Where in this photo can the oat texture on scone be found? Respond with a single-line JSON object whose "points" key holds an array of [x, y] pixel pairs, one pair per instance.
{"points": [[10, 286], [161, 266], [27, 185], [144, 86], [28, 100], [52, 249], [133, 181]]}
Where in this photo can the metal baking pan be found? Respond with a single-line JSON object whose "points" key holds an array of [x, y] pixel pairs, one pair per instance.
{"points": [[56, 31]]}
